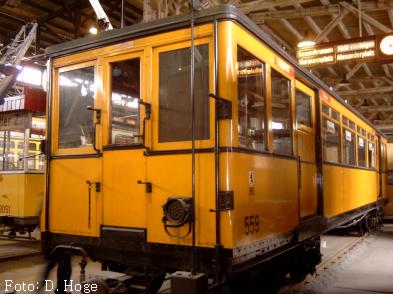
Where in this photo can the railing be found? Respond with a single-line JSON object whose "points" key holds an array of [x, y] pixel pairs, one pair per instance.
{"points": [[13, 103]]}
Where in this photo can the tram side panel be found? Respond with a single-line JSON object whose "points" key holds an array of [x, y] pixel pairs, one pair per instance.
{"points": [[350, 168]]}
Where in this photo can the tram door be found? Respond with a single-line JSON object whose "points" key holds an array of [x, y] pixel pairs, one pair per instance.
{"points": [[305, 122], [124, 163], [75, 167]]}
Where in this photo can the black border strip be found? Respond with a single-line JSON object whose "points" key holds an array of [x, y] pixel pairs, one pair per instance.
{"points": [[114, 147], [349, 166], [76, 156], [179, 151]]}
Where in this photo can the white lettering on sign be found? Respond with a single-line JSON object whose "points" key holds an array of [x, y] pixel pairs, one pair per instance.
{"points": [[348, 136], [330, 127], [361, 142], [15, 121]]}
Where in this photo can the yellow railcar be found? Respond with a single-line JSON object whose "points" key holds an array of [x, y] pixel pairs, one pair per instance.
{"points": [[21, 172], [268, 160]]}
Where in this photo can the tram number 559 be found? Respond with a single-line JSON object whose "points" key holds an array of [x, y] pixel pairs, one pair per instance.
{"points": [[251, 224]]}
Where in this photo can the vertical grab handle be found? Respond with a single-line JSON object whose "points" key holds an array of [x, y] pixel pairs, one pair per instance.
{"points": [[97, 189], [98, 121]]}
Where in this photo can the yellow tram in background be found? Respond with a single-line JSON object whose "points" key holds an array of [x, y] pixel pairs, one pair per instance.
{"points": [[22, 128], [277, 157]]}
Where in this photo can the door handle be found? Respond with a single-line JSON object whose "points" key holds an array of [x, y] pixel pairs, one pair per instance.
{"points": [[149, 186]]}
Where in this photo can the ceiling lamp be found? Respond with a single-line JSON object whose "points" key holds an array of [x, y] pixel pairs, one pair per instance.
{"points": [[344, 82], [93, 30], [306, 42]]}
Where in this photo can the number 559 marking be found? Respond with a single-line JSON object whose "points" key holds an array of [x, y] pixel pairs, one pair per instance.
{"points": [[251, 224]]}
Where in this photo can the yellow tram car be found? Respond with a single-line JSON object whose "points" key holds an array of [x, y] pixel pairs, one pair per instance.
{"points": [[21, 173], [278, 158]]}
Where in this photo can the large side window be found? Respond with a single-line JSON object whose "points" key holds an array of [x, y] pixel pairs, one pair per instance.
{"points": [[349, 145], [125, 95], [331, 140], [251, 101], [281, 113], [362, 151], [76, 93], [303, 109], [175, 118]]}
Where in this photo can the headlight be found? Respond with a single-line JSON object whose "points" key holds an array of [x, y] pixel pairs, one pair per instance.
{"points": [[178, 211]]}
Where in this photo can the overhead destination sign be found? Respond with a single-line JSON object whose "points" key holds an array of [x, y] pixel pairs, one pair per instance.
{"points": [[359, 49]]}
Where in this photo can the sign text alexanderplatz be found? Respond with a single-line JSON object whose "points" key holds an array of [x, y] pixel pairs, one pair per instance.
{"points": [[360, 49]]}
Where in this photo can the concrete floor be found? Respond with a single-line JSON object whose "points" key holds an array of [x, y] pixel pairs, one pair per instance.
{"points": [[368, 268]]}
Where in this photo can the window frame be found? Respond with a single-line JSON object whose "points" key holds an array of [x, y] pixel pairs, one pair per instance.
{"points": [[299, 86], [181, 145], [264, 75], [359, 135], [106, 121], [343, 139], [338, 122], [292, 110], [56, 108]]}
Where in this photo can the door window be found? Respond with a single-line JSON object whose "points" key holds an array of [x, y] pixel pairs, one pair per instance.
{"points": [[251, 101], [175, 112], [281, 113], [76, 93], [303, 109], [125, 96]]}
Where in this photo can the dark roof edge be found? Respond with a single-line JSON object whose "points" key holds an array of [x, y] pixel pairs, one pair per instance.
{"points": [[220, 12]]}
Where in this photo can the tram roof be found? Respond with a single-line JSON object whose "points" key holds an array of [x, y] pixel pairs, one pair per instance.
{"points": [[220, 12]]}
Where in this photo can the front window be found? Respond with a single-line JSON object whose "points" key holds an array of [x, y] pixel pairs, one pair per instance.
{"points": [[76, 93], [175, 107], [349, 147], [251, 101], [331, 140], [125, 96], [281, 113]]}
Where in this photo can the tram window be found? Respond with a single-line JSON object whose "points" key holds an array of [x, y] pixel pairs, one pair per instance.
{"points": [[335, 115], [325, 109], [76, 93], [303, 108], [281, 114], [352, 125], [349, 147], [345, 121], [251, 101], [21, 145], [362, 152], [175, 119], [331, 141], [371, 155], [125, 95], [32, 146]]}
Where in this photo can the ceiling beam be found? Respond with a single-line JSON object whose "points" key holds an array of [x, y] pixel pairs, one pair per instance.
{"points": [[330, 26], [366, 17], [366, 91], [267, 4], [384, 108], [321, 10]]}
